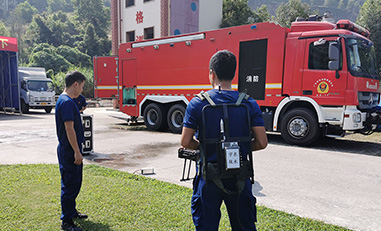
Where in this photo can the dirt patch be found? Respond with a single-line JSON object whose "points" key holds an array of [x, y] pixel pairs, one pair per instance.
{"points": [[130, 126], [134, 158]]}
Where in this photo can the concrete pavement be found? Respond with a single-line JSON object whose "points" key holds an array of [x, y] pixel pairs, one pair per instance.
{"points": [[333, 186]]}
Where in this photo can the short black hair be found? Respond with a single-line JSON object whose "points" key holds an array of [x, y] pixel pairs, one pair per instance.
{"points": [[74, 76], [224, 64]]}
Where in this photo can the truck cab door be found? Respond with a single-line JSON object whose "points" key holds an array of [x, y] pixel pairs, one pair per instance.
{"points": [[320, 82]]}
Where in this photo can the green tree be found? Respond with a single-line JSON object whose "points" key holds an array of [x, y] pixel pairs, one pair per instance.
{"points": [[370, 18], [56, 29], [74, 56], [262, 14], [45, 55], [38, 32], [60, 5], [288, 12], [235, 13], [18, 21], [4, 31], [95, 40], [88, 90], [93, 12], [91, 44], [24, 13]]}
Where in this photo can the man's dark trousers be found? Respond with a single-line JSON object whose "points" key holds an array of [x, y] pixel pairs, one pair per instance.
{"points": [[71, 181]]}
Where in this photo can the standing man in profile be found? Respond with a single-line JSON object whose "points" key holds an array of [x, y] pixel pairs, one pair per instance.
{"points": [[70, 137], [210, 124]]}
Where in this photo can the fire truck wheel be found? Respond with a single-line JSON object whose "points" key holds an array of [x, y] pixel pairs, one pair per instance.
{"points": [[154, 117], [175, 118], [299, 126]]}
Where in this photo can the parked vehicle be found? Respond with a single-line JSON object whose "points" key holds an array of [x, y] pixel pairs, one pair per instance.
{"points": [[313, 79], [9, 84], [36, 90]]}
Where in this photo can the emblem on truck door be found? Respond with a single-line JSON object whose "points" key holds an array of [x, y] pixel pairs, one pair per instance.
{"points": [[323, 88], [323, 85]]}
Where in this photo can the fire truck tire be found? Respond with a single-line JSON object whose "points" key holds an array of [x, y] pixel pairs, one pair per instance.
{"points": [[154, 117], [175, 118], [24, 107], [299, 126]]}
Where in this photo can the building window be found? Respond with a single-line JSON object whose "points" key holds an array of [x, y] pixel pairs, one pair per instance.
{"points": [[148, 33], [147, 0], [130, 3], [130, 36]]}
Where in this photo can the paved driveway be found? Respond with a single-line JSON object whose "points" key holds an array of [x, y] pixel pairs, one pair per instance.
{"points": [[336, 181]]}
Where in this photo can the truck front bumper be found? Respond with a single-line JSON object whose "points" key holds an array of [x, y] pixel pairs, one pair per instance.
{"points": [[373, 118], [41, 104], [362, 121]]}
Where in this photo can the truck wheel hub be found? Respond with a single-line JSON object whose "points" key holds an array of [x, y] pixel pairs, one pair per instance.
{"points": [[177, 118], [298, 127], [152, 117]]}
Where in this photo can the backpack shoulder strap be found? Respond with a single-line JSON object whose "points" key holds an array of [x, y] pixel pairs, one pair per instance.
{"points": [[204, 95], [242, 96]]}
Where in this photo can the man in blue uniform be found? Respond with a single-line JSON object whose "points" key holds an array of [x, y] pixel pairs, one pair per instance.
{"points": [[207, 195], [80, 101], [70, 136]]}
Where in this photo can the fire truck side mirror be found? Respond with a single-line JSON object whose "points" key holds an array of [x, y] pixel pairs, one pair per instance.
{"points": [[334, 55]]}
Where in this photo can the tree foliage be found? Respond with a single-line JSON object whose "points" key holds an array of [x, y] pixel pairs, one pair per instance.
{"points": [[59, 5], [370, 18], [235, 13], [24, 12], [238, 12], [4, 31], [262, 14], [58, 59], [92, 12], [45, 55], [288, 12]]}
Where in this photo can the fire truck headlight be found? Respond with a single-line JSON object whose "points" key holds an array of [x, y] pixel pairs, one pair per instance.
{"points": [[357, 117]]}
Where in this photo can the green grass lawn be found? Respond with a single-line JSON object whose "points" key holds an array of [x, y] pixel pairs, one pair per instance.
{"points": [[30, 200]]}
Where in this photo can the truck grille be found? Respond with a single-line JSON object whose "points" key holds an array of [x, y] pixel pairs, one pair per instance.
{"points": [[42, 99], [368, 100]]}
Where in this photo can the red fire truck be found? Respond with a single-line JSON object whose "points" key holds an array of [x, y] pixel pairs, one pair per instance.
{"points": [[313, 79]]}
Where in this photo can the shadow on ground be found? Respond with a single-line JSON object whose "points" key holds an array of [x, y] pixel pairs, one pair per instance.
{"points": [[348, 145]]}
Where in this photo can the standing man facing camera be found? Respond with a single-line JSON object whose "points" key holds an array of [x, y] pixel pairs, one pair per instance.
{"points": [[229, 126], [70, 137]]}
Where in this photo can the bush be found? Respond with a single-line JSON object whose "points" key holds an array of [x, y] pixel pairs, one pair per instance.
{"points": [[88, 89], [50, 61], [74, 56], [59, 59], [43, 47]]}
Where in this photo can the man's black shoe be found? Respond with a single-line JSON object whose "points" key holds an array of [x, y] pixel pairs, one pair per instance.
{"points": [[81, 216], [70, 226]]}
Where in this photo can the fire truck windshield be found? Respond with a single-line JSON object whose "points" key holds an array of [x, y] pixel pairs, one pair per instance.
{"points": [[362, 58]]}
